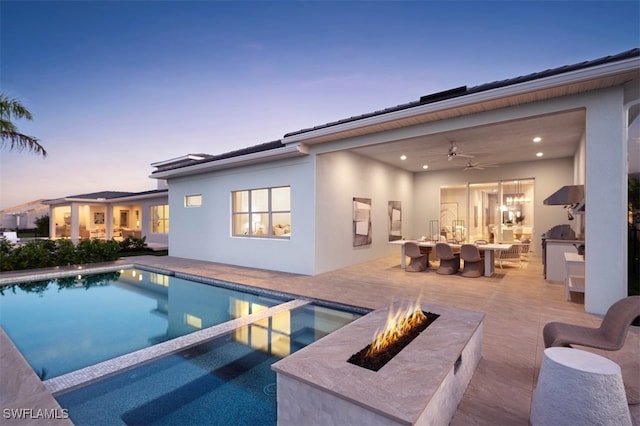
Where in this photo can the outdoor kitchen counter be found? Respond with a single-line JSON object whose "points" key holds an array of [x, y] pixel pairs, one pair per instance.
{"points": [[555, 267]]}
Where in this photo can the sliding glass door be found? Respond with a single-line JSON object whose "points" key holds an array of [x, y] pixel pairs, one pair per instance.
{"points": [[492, 211]]}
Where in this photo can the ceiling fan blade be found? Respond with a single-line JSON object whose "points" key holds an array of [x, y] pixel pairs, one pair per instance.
{"points": [[466, 155]]}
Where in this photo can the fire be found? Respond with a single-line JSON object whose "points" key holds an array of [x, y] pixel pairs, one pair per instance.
{"points": [[398, 324]]}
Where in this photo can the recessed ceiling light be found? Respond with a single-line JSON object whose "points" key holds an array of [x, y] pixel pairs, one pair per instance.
{"points": [[425, 167], [403, 157], [539, 154], [537, 139]]}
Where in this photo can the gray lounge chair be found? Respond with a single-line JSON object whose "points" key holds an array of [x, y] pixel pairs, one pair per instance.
{"points": [[418, 260], [473, 263], [449, 261], [610, 336]]}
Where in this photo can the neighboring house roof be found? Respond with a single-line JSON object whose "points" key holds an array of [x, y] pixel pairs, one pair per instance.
{"points": [[103, 196], [269, 151], [30, 207], [107, 195], [463, 90]]}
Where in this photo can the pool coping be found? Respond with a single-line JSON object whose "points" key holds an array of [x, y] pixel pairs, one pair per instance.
{"points": [[87, 375], [61, 272]]}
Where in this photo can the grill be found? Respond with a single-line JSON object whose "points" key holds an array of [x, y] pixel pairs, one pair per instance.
{"points": [[558, 232]]}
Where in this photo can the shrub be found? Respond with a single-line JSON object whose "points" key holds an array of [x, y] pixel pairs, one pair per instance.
{"points": [[133, 244], [42, 225], [66, 253], [47, 253]]}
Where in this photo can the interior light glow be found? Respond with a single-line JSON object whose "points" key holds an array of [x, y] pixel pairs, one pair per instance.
{"points": [[425, 167], [537, 139], [539, 154], [403, 157]]}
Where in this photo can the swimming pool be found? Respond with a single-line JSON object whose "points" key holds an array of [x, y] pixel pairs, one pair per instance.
{"points": [[224, 381], [65, 324]]}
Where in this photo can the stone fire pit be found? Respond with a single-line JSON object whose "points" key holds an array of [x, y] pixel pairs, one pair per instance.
{"points": [[422, 384]]}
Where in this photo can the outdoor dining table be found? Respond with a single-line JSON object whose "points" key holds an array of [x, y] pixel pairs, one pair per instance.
{"points": [[488, 249]]}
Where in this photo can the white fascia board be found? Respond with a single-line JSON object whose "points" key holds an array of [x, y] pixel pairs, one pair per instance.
{"points": [[78, 200], [292, 150], [115, 200], [570, 77], [175, 160], [164, 193]]}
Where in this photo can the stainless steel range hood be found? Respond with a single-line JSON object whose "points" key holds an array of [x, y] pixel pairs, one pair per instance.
{"points": [[567, 195]]}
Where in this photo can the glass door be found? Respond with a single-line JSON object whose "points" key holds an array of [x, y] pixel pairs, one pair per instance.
{"points": [[484, 210]]}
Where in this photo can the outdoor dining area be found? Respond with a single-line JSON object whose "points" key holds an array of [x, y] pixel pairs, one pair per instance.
{"points": [[471, 260]]}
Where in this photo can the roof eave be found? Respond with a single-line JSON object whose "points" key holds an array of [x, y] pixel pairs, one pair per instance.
{"points": [[113, 200], [570, 77], [288, 151]]}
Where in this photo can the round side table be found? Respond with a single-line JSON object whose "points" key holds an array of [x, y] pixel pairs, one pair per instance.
{"points": [[576, 387]]}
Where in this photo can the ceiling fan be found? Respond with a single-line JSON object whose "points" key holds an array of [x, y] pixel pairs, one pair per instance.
{"points": [[472, 165], [453, 152]]}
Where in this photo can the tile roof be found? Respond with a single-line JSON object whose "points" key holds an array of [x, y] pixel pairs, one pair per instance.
{"points": [[110, 195], [435, 97], [31, 206], [237, 153], [107, 195], [463, 90]]}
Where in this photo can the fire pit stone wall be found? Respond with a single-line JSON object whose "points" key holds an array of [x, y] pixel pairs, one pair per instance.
{"points": [[423, 384]]}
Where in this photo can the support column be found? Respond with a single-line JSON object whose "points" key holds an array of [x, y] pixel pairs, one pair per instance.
{"points": [[75, 223], [108, 231], [606, 202]]}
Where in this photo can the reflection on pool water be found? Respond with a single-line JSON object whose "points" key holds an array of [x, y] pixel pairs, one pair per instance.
{"points": [[70, 323], [225, 381]]}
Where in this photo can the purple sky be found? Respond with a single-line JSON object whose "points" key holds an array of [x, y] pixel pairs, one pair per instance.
{"points": [[117, 85]]}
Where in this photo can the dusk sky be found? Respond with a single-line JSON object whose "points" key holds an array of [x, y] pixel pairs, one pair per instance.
{"points": [[117, 85]]}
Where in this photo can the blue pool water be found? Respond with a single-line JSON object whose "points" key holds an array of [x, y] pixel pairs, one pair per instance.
{"points": [[226, 381], [70, 323]]}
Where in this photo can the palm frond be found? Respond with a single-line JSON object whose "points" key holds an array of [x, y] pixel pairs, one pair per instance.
{"points": [[21, 142], [11, 109]]}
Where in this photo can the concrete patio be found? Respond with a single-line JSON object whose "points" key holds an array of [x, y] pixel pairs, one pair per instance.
{"points": [[518, 302]]}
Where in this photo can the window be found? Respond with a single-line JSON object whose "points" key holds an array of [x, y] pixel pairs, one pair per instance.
{"points": [[193, 200], [160, 219], [262, 212]]}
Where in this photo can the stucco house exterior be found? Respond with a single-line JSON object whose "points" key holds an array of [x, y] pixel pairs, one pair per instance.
{"points": [[111, 214], [297, 204], [22, 216]]}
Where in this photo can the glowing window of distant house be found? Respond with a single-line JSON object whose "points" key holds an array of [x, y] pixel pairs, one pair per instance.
{"points": [[193, 200], [264, 212], [160, 219]]}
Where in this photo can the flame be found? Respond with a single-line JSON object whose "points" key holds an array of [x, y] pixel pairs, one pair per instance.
{"points": [[398, 323]]}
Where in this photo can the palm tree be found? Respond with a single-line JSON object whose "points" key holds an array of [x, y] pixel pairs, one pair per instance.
{"points": [[11, 109]]}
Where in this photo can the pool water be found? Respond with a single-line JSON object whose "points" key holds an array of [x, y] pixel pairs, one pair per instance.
{"points": [[66, 324], [225, 381]]}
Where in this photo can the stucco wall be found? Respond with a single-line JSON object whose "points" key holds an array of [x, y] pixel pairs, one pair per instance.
{"points": [[341, 176], [145, 225], [204, 232]]}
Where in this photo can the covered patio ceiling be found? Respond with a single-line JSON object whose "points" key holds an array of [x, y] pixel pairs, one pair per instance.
{"points": [[501, 143]]}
